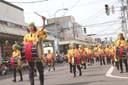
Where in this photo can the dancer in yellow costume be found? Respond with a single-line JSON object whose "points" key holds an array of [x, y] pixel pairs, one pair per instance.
{"points": [[108, 58], [70, 57], [16, 57], [33, 37], [51, 60], [121, 46], [76, 60], [82, 55]]}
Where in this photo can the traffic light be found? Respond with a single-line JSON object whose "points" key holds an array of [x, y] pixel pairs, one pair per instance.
{"points": [[107, 9]]}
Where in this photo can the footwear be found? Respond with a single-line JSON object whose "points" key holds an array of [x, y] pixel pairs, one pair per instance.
{"points": [[80, 74], [74, 76], [121, 72], [84, 67], [35, 75], [53, 69], [14, 80]]}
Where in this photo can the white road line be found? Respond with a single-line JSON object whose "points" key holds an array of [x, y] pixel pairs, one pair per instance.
{"points": [[109, 74]]}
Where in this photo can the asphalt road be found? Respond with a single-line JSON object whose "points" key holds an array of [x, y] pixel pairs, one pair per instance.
{"points": [[93, 75]]}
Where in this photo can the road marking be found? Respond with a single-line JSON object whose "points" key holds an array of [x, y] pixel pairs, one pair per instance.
{"points": [[109, 74]]}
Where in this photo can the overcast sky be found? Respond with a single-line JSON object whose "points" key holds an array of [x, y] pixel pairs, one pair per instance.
{"points": [[88, 13]]}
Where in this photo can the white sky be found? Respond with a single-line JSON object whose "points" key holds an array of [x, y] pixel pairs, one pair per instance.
{"points": [[86, 13]]}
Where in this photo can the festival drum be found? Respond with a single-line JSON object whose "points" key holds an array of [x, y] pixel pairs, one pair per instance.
{"points": [[13, 62], [121, 52], [29, 52]]}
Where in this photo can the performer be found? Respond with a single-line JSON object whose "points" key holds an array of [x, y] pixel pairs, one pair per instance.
{"points": [[96, 53], [82, 55], [89, 55], [108, 58], [76, 60], [70, 57], [16, 62], [116, 59], [51, 60], [112, 54], [33, 38], [121, 45], [101, 54]]}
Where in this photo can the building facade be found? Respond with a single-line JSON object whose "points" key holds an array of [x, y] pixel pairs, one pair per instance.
{"points": [[63, 26], [12, 27], [67, 31]]}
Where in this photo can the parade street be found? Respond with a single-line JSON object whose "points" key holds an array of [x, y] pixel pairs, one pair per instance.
{"points": [[93, 75]]}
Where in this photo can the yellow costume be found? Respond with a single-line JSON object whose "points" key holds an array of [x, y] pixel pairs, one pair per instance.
{"points": [[69, 56], [75, 54], [50, 58]]}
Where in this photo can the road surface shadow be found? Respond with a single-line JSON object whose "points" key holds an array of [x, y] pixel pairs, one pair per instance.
{"points": [[81, 83], [95, 74]]}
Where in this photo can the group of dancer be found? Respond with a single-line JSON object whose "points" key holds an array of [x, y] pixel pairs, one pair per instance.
{"points": [[78, 57], [115, 53]]}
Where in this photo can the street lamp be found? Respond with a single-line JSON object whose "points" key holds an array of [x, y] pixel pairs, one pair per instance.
{"points": [[55, 20]]}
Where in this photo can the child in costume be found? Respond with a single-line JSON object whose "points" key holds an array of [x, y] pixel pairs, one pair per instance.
{"points": [[16, 62]]}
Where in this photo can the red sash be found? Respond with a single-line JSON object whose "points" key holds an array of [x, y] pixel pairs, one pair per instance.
{"points": [[112, 56], [77, 59], [121, 52], [49, 60], [89, 56], [28, 52]]}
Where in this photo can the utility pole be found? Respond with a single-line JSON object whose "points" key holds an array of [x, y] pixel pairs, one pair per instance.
{"points": [[124, 17], [127, 8]]}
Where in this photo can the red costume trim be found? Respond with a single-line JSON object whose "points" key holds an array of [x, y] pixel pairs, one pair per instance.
{"points": [[28, 52], [121, 52]]}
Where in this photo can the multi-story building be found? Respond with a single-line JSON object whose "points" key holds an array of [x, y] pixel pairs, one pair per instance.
{"points": [[13, 28], [67, 31]]}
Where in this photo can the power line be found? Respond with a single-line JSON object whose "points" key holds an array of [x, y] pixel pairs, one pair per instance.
{"points": [[107, 22], [94, 15], [111, 33], [102, 31], [38, 1], [74, 5]]}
